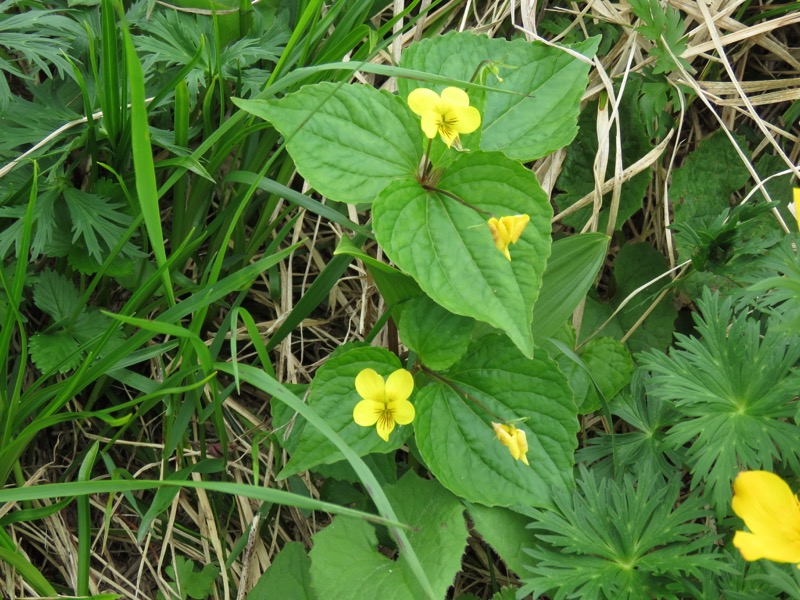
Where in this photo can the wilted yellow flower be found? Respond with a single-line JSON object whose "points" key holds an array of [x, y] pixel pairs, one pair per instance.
{"points": [[514, 439], [448, 114], [506, 230], [384, 402], [771, 512]]}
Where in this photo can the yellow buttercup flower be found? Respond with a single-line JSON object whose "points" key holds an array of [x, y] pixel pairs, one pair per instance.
{"points": [[771, 512], [384, 402], [448, 114], [514, 439], [506, 230]]}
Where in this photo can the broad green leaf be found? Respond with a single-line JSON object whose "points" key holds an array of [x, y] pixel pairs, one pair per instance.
{"points": [[438, 336], [55, 295], [494, 382], [288, 577], [333, 396], [577, 174], [348, 141], [55, 350], [346, 564], [571, 271], [448, 249], [611, 368], [507, 532], [539, 114]]}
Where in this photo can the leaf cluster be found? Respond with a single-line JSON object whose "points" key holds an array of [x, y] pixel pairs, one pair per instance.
{"points": [[620, 539]]}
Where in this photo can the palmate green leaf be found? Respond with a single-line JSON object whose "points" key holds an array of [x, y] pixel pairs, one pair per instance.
{"points": [[494, 382], [620, 540], [97, 221], [736, 390], [346, 564], [333, 396], [438, 336], [448, 249], [546, 84], [348, 141]]}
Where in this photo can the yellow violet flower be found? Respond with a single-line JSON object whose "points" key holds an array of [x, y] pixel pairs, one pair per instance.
{"points": [[384, 402], [506, 230], [514, 439], [796, 198], [771, 512], [448, 114]]}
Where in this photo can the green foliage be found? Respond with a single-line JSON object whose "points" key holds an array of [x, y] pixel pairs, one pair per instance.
{"points": [[187, 582], [372, 137], [620, 539], [543, 86], [494, 382], [570, 273], [506, 532], [635, 266], [644, 449], [439, 337], [65, 345], [345, 563], [447, 247], [663, 26], [288, 577], [735, 388], [333, 396], [577, 177]]}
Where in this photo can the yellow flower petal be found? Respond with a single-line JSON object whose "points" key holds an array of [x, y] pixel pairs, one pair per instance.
{"points": [[778, 549], [385, 425], [514, 439], [516, 225], [399, 386], [766, 504], [455, 97], [430, 124], [422, 101], [367, 412], [370, 385], [500, 236], [402, 411], [468, 119], [796, 196]]}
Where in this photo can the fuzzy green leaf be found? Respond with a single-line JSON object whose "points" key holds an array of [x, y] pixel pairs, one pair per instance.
{"points": [[333, 396], [438, 336], [345, 563], [546, 84], [55, 295], [494, 382], [448, 249], [55, 351], [348, 141]]}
